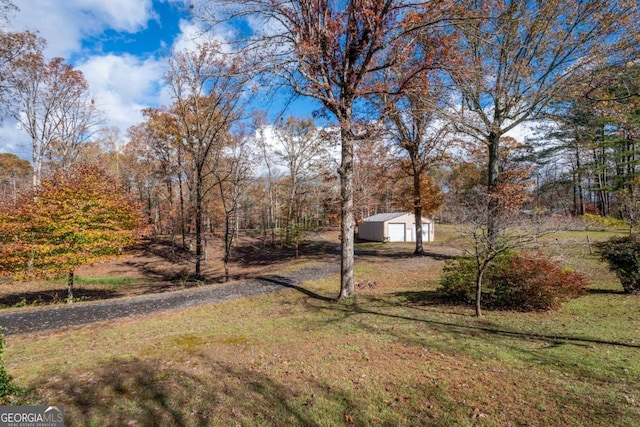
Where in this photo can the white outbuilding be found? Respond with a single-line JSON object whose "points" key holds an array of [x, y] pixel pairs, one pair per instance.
{"points": [[394, 227]]}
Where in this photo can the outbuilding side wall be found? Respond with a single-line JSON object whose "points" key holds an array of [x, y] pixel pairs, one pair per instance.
{"points": [[378, 231], [373, 231]]}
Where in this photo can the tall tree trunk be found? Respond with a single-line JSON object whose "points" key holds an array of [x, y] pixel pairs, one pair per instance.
{"points": [[183, 227], [273, 209], [493, 205], [228, 238], [479, 274], [171, 222], [36, 165], [149, 209], [70, 278], [198, 219], [290, 223], [347, 282], [417, 211], [580, 210]]}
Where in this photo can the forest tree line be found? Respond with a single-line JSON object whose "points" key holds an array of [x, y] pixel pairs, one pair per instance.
{"points": [[419, 102]]}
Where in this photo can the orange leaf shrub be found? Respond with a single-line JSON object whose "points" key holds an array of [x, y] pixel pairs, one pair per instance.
{"points": [[513, 282]]}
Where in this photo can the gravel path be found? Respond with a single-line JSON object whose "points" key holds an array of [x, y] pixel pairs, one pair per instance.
{"points": [[62, 316]]}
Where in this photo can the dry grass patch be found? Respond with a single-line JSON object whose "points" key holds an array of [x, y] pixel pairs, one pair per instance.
{"points": [[160, 265], [392, 356]]}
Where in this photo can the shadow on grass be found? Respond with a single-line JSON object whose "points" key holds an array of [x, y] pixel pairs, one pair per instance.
{"points": [[605, 291], [401, 253], [157, 272], [163, 279], [166, 249], [427, 297], [127, 393], [430, 298], [288, 283], [177, 264], [55, 296], [263, 255], [144, 393]]}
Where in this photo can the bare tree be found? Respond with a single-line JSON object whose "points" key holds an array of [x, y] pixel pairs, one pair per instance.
{"points": [[270, 217], [519, 55], [416, 129], [234, 174], [79, 122], [51, 104], [13, 46], [111, 143], [330, 51], [513, 231], [302, 150], [208, 94], [470, 209]]}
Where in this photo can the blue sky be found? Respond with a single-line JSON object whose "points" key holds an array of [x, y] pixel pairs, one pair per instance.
{"points": [[153, 38], [119, 45]]}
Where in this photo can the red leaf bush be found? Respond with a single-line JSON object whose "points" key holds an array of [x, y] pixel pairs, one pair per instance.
{"points": [[514, 282]]}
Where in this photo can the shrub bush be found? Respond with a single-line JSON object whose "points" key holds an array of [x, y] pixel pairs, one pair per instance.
{"points": [[623, 256], [513, 282], [458, 281], [7, 388], [604, 222]]}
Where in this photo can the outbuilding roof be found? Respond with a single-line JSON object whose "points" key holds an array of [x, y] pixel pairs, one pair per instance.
{"points": [[382, 217]]}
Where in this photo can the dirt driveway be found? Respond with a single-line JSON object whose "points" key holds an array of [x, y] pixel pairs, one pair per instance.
{"points": [[158, 270], [61, 316]]}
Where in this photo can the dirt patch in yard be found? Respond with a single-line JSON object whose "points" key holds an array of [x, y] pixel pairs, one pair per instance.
{"points": [[162, 265]]}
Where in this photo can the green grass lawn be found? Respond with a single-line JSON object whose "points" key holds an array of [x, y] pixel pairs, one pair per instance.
{"points": [[107, 281], [393, 356]]}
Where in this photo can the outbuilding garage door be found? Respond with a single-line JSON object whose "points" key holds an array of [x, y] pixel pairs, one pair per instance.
{"points": [[396, 232]]}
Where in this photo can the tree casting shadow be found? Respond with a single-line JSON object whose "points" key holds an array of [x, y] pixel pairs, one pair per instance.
{"points": [[128, 393], [55, 296], [422, 297], [288, 283], [144, 393]]}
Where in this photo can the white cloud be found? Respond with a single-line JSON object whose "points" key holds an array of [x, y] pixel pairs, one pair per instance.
{"points": [[64, 24], [123, 85], [13, 140], [123, 15], [191, 35]]}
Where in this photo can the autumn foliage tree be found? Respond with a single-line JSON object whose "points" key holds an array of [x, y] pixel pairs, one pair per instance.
{"points": [[51, 103], [13, 47], [70, 219], [517, 56], [153, 162], [420, 135], [208, 93], [471, 206], [334, 52]]}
